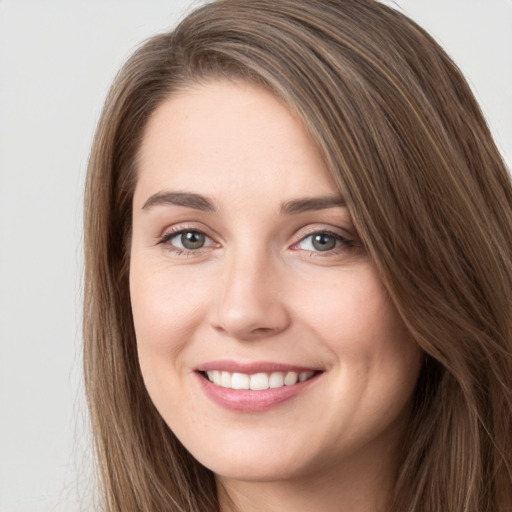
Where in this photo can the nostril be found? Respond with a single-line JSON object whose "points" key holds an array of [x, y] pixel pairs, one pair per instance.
{"points": [[247, 331]]}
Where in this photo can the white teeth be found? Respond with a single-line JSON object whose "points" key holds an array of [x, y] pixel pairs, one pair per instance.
{"points": [[276, 380], [240, 381], [291, 378], [257, 381], [305, 376], [225, 379]]}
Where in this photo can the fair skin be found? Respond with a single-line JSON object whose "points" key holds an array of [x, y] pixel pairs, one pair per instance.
{"points": [[244, 260]]}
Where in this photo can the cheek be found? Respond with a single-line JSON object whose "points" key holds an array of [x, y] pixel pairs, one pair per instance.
{"points": [[166, 311], [377, 362], [373, 352], [352, 311]]}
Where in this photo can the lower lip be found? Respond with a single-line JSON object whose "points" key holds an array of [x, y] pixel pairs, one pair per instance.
{"points": [[245, 400]]}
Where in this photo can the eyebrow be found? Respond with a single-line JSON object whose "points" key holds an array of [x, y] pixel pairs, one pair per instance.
{"points": [[187, 199], [203, 203], [307, 204]]}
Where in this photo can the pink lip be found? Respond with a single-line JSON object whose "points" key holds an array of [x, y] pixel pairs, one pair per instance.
{"points": [[245, 400], [252, 367]]}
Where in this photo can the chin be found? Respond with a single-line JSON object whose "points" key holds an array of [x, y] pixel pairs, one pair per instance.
{"points": [[257, 462], [255, 470]]}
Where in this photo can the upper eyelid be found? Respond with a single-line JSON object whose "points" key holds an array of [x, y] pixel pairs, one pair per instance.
{"points": [[181, 227], [333, 230], [342, 239], [324, 232]]}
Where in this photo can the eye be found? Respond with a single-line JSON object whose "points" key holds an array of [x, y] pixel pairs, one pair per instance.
{"points": [[322, 241], [189, 240], [186, 240]]}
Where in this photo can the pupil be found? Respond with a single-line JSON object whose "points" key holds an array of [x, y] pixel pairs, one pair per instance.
{"points": [[192, 240], [324, 242]]}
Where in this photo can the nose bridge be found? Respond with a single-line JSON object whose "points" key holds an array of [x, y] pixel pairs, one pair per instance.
{"points": [[250, 303]]}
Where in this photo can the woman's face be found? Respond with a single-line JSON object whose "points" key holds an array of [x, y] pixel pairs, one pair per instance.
{"points": [[246, 272]]}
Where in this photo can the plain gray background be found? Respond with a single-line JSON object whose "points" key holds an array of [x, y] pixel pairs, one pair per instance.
{"points": [[57, 58]]}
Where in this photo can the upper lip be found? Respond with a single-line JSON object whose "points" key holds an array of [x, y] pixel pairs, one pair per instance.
{"points": [[252, 367]]}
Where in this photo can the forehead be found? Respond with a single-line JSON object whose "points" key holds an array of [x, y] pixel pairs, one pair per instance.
{"points": [[229, 136]]}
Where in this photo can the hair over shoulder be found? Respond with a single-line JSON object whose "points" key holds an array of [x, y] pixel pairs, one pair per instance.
{"points": [[427, 190]]}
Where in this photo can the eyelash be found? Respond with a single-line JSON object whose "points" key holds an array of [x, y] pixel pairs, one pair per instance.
{"points": [[178, 251], [343, 243]]}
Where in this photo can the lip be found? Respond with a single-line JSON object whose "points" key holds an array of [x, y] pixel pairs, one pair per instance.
{"points": [[250, 401], [252, 367]]}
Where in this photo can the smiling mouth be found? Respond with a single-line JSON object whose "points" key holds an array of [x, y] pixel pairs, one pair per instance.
{"points": [[254, 387], [257, 381]]}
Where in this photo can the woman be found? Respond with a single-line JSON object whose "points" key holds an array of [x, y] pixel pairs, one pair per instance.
{"points": [[298, 270]]}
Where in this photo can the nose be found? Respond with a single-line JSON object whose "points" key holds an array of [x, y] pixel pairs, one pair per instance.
{"points": [[251, 303]]}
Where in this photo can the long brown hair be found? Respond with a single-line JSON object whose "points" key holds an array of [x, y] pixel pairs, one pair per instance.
{"points": [[427, 190]]}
